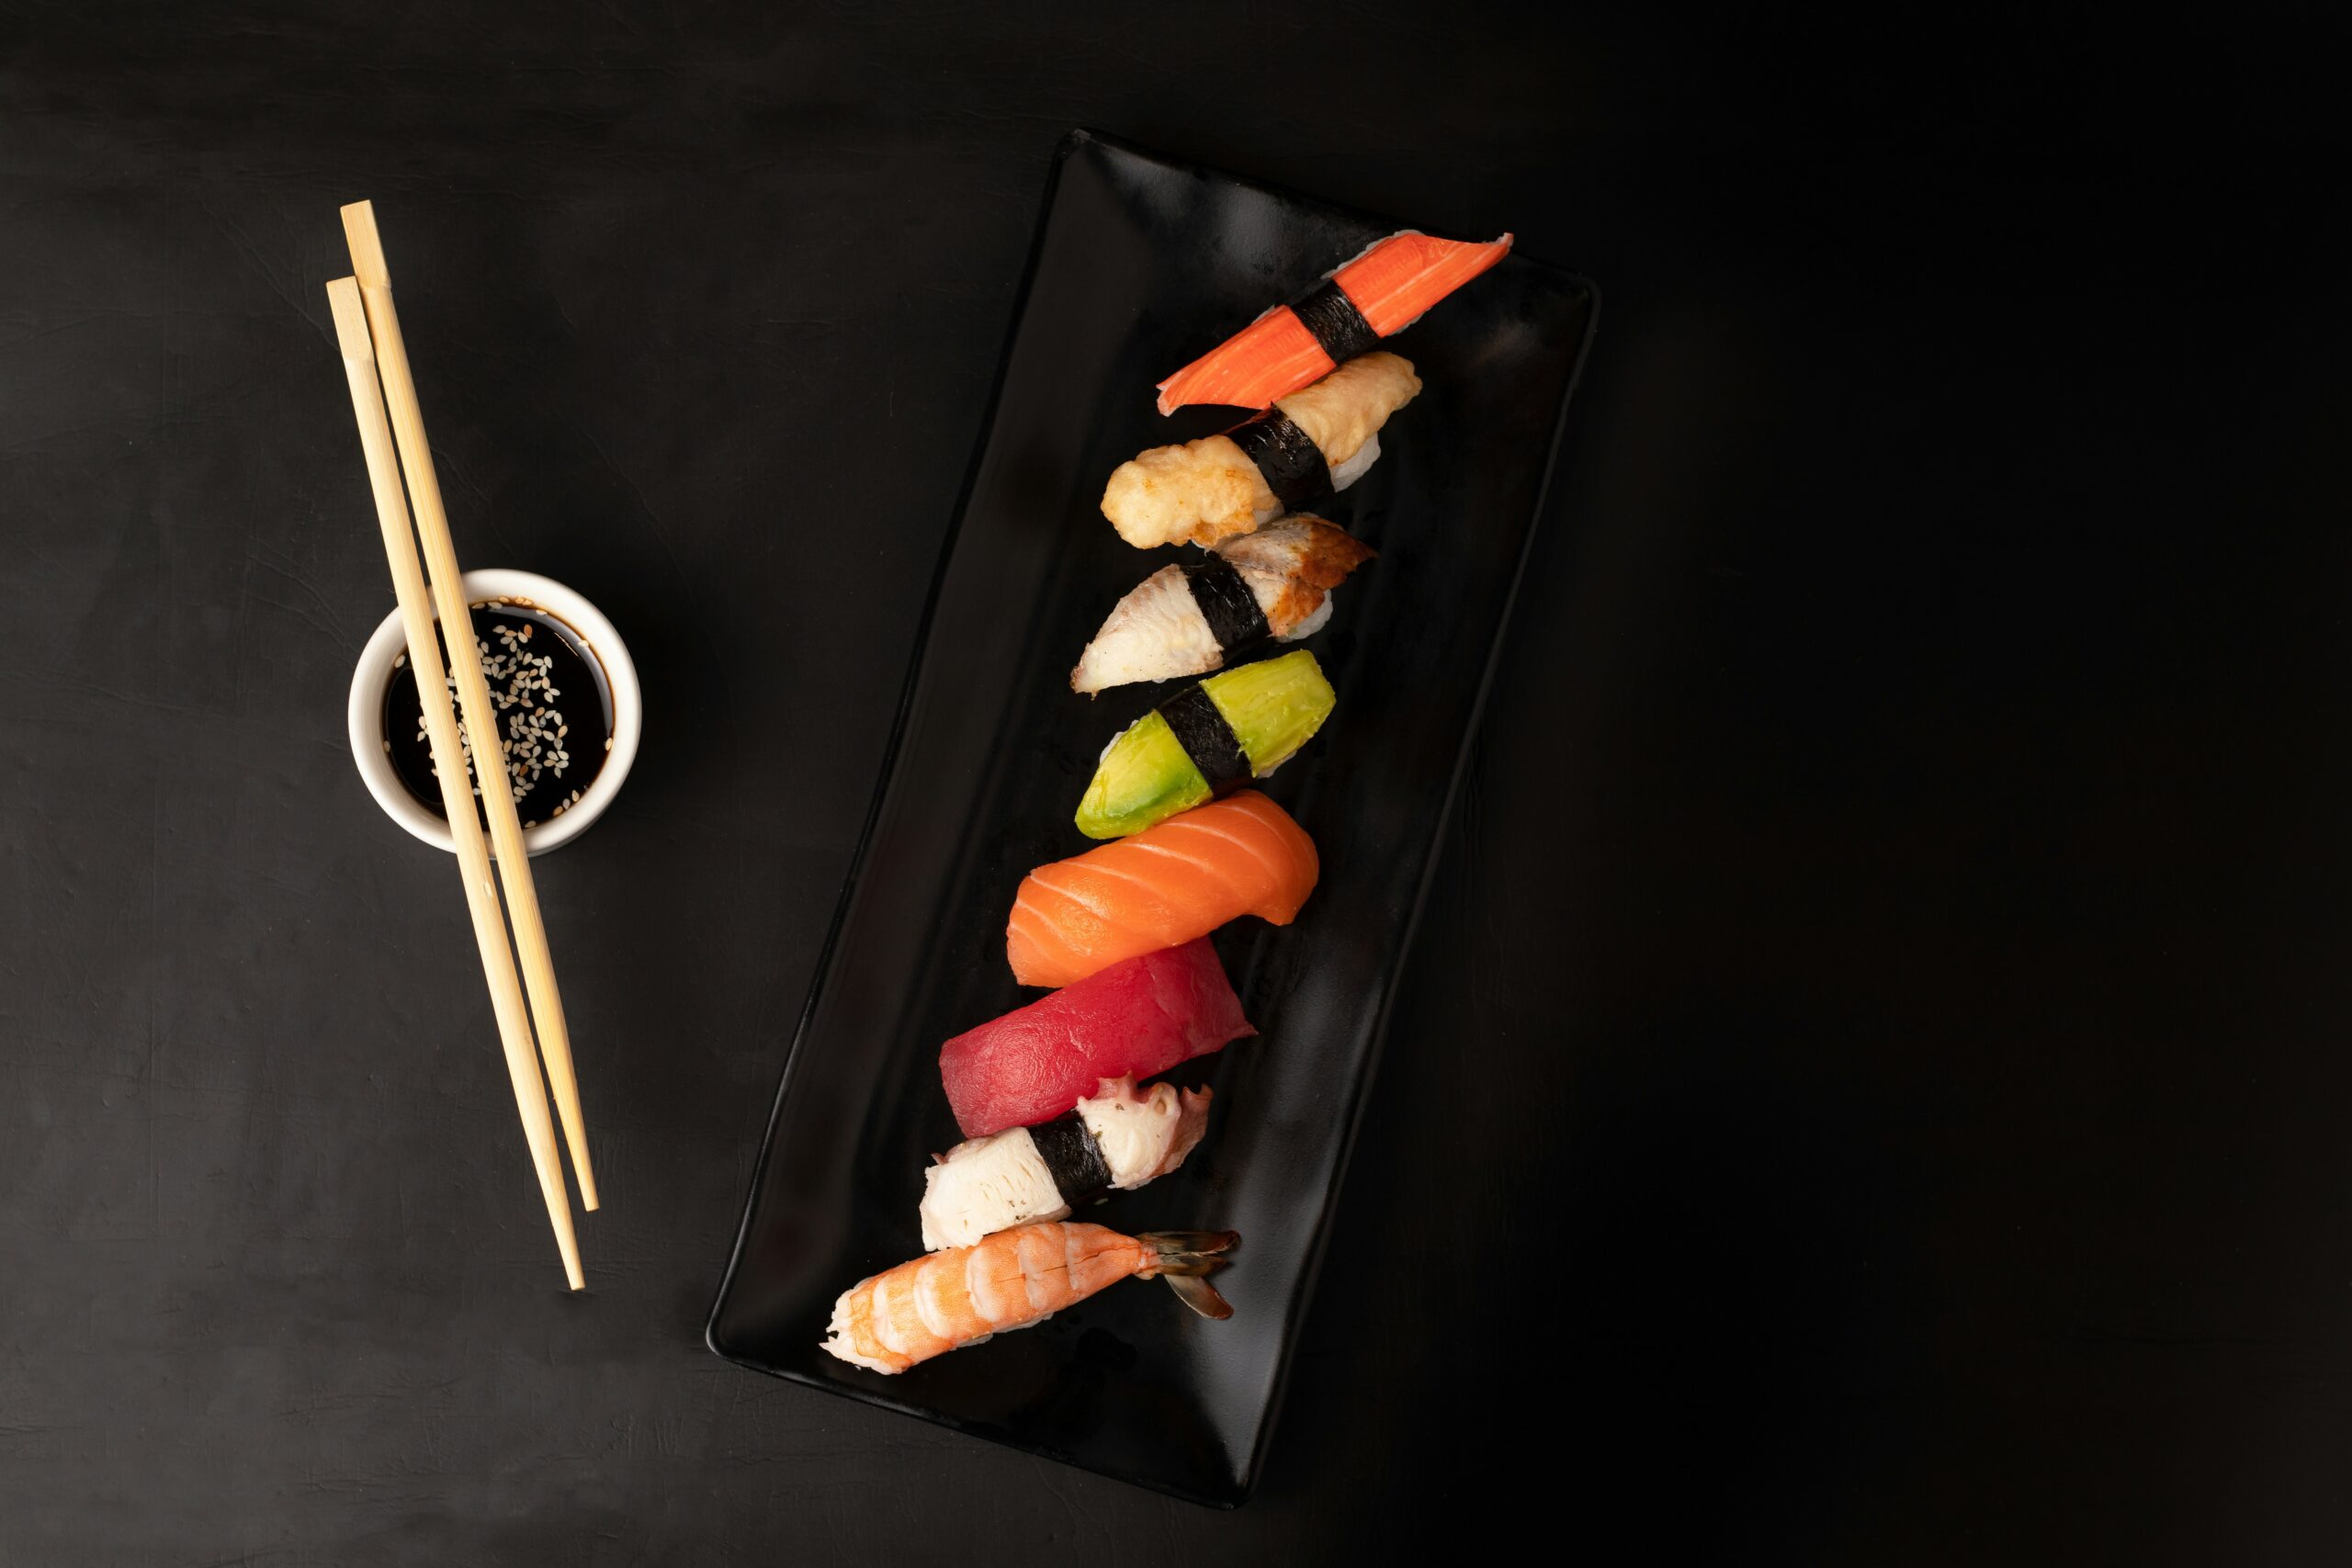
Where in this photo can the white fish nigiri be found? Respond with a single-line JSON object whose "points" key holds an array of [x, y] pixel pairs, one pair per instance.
{"points": [[1191, 619], [1119, 1140]]}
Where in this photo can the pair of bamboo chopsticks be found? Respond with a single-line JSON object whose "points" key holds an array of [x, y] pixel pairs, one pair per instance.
{"points": [[377, 363]]}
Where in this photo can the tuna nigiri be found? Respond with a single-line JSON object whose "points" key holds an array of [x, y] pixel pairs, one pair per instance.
{"points": [[1117, 1139], [1134, 1019], [1377, 295], [944, 1300], [1168, 884], [1311, 443], [1271, 585]]}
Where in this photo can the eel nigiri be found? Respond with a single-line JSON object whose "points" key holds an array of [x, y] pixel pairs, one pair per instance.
{"points": [[1131, 1019], [1115, 1139], [1311, 443], [1168, 884], [1380, 293], [1271, 585], [944, 1300], [1208, 739]]}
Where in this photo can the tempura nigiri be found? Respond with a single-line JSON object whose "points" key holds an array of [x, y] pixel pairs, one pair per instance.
{"points": [[944, 1300], [1311, 443], [1381, 293], [1271, 585]]}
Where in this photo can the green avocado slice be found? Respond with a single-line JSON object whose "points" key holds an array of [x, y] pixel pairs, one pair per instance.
{"points": [[1273, 706]]}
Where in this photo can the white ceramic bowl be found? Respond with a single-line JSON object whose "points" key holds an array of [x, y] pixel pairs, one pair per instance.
{"points": [[603, 645]]}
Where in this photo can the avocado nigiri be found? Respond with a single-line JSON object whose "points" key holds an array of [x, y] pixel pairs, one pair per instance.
{"points": [[1214, 736]]}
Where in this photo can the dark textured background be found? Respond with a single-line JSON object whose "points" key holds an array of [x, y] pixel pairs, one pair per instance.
{"points": [[1873, 1088]]}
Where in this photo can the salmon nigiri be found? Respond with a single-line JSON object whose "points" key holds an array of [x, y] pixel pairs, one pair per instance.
{"points": [[1378, 295], [1180, 879]]}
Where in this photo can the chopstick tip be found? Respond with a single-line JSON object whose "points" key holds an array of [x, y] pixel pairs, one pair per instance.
{"points": [[366, 246], [350, 321]]}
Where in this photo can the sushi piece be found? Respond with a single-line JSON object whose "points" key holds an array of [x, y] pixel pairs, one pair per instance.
{"points": [[1271, 585], [944, 1300], [1178, 880], [1311, 443], [1115, 1139], [1132, 1020], [1208, 739], [1377, 295]]}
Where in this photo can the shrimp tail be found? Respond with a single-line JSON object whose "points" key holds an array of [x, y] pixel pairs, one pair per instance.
{"points": [[1186, 1252], [1181, 1257], [1200, 1295]]}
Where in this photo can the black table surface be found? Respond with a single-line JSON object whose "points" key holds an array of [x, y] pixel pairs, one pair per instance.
{"points": [[1872, 1086]]}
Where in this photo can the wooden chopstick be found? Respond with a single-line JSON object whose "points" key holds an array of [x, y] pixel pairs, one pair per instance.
{"points": [[473, 694], [449, 763]]}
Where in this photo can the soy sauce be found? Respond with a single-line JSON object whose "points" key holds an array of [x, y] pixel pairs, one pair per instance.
{"points": [[553, 705]]}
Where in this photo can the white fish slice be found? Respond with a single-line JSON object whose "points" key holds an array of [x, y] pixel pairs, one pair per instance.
{"points": [[1161, 631]]}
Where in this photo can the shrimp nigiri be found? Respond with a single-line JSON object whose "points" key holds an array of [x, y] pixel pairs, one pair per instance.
{"points": [[1311, 443], [1380, 293], [944, 1300]]}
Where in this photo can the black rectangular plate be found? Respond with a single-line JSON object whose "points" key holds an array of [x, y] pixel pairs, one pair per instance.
{"points": [[1140, 266]]}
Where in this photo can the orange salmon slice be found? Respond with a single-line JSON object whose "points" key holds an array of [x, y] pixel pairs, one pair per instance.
{"points": [[1174, 881]]}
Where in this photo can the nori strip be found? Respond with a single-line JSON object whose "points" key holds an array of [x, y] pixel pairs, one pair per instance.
{"points": [[1336, 324], [1072, 1159], [1207, 738], [1292, 464], [1227, 604]]}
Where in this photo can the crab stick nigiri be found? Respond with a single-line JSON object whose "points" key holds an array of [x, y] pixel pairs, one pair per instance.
{"points": [[1168, 884], [1311, 443], [1379, 293], [1118, 1138], [1271, 585], [944, 1300]]}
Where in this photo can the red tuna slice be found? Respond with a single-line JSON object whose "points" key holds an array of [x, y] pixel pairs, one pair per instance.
{"points": [[1137, 1017]]}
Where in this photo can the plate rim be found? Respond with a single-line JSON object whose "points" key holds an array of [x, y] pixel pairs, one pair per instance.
{"points": [[1294, 1312]]}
